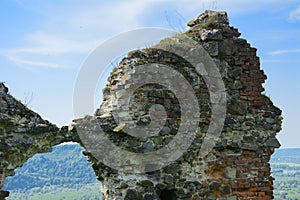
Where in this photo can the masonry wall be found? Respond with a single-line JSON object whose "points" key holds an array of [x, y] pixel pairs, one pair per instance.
{"points": [[238, 165], [23, 133]]}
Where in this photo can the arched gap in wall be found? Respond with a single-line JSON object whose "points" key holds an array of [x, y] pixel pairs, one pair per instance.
{"points": [[63, 173]]}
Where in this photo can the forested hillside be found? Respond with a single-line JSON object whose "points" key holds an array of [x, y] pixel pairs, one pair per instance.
{"points": [[62, 174], [65, 174]]}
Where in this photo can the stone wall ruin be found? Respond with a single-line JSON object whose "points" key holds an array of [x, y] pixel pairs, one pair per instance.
{"points": [[236, 168], [238, 165], [23, 133]]}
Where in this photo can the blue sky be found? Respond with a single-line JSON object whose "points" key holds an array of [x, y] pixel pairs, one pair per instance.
{"points": [[44, 43]]}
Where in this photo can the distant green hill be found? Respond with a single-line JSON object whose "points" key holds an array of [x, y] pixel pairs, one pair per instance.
{"points": [[291, 155], [65, 173], [285, 165]]}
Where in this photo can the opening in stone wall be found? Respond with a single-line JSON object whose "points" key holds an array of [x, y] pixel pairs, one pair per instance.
{"points": [[168, 195], [63, 173]]}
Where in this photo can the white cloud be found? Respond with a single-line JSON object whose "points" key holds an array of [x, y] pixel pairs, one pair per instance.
{"points": [[49, 50], [44, 43], [33, 63], [232, 7], [71, 30], [295, 14], [286, 51]]}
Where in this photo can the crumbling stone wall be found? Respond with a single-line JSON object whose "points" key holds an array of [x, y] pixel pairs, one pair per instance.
{"points": [[236, 168], [23, 133], [238, 165]]}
